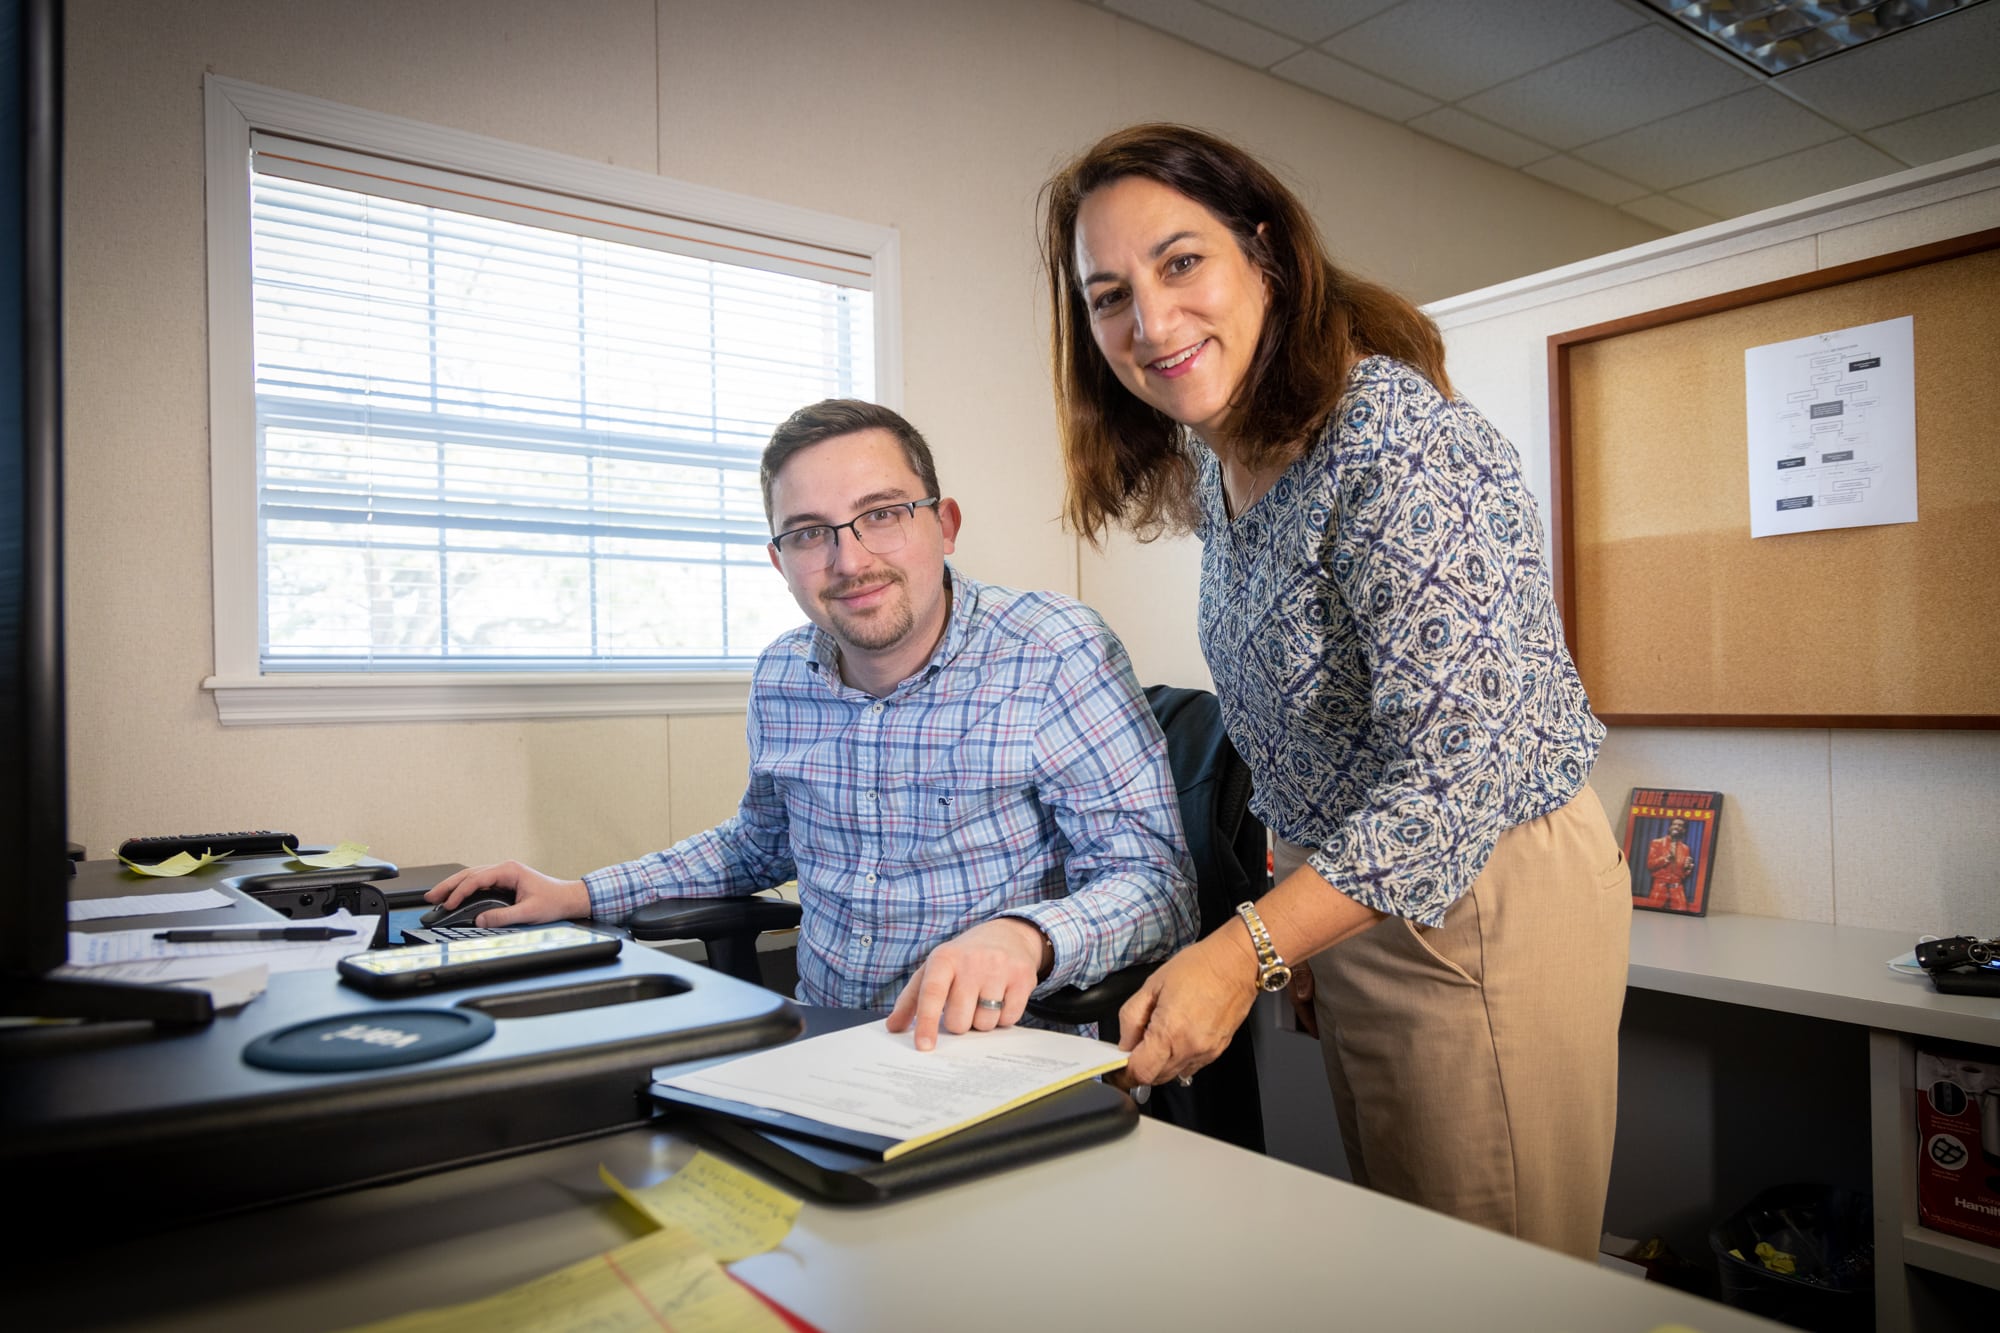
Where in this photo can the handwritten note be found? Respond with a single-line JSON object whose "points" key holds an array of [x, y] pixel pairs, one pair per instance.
{"points": [[662, 1279], [339, 858], [180, 863], [734, 1214]]}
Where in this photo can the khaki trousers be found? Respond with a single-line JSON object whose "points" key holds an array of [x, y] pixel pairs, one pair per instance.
{"points": [[1474, 1066]]}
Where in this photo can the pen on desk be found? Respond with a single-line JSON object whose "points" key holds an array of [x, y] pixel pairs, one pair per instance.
{"points": [[259, 933]]}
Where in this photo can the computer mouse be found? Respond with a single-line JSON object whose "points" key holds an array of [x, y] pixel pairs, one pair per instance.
{"points": [[467, 912]]}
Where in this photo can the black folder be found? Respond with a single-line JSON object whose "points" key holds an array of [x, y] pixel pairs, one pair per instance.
{"points": [[812, 1156]]}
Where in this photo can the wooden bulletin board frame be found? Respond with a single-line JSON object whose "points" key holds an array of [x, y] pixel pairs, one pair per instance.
{"points": [[1676, 616]]}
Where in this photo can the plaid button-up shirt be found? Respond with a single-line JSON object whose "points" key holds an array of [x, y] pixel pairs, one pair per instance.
{"points": [[1019, 773]]}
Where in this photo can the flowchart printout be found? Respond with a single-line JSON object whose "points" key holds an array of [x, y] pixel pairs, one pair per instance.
{"points": [[1833, 430]]}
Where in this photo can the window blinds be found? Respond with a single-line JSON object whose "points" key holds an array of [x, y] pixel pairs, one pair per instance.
{"points": [[500, 429]]}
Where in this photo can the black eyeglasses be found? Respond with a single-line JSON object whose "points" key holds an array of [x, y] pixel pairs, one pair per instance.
{"points": [[879, 531]]}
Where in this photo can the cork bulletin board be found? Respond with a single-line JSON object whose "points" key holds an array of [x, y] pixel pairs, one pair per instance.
{"points": [[1676, 616]]}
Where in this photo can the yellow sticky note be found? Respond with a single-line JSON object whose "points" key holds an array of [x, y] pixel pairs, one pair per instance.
{"points": [[735, 1215], [664, 1278], [339, 858], [180, 863]]}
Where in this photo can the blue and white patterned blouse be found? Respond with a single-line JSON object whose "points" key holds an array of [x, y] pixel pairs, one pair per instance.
{"points": [[1386, 646], [1019, 773]]}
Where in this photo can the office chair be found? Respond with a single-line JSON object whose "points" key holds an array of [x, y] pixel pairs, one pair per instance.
{"points": [[1225, 842]]}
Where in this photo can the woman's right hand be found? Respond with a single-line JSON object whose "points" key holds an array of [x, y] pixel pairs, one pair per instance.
{"points": [[537, 897], [1187, 1011]]}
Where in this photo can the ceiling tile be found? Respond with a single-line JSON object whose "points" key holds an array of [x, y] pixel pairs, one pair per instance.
{"points": [[1478, 136], [1626, 82], [1307, 20], [1947, 60], [1794, 176], [1669, 213], [1222, 33], [1936, 135], [1585, 179], [1750, 126], [1356, 87], [1450, 48]]}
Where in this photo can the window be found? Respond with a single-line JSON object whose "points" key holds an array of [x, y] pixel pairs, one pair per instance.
{"points": [[486, 433]]}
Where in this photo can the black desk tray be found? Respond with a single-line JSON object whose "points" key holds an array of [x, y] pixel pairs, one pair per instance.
{"points": [[1075, 1117]]}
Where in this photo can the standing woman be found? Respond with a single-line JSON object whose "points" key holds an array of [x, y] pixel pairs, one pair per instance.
{"points": [[1376, 612]]}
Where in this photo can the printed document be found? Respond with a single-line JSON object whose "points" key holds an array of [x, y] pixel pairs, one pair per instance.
{"points": [[1833, 429], [876, 1082]]}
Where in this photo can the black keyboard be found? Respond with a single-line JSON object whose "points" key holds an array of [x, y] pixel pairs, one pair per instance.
{"points": [[255, 842], [452, 934]]}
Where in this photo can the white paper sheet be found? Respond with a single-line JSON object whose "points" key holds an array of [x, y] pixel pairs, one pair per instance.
{"points": [[869, 1079], [229, 990], [145, 958], [146, 904], [1833, 429]]}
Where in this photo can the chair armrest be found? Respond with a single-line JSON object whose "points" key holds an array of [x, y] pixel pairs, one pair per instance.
{"points": [[707, 919], [1099, 1003]]}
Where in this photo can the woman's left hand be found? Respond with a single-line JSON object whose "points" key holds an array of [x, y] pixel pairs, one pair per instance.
{"points": [[1187, 1011]]}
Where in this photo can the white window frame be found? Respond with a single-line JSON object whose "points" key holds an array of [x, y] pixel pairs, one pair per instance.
{"points": [[244, 696]]}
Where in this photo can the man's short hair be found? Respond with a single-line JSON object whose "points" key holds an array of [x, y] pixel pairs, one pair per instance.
{"points": [[833, 418]]}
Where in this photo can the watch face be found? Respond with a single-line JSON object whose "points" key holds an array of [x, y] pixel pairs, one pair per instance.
{"points": [[1275, 978]]}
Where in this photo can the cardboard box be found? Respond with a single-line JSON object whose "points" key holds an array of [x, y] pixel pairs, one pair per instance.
{"points": [[1958, 1142]]}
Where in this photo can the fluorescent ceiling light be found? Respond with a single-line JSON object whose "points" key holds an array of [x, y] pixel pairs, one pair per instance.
{"points": [[1780, 35]]}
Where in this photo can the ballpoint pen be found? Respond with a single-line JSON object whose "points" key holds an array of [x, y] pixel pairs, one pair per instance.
{"points": [[256, 933]]}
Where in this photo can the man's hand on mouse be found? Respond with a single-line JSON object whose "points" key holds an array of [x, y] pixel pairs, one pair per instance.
{"points": [[537, 897]]}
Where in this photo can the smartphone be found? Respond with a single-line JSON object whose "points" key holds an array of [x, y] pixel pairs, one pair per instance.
{"points": [[411, 968], [1981, 980]]}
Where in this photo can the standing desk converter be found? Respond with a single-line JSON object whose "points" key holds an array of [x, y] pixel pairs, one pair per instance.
{"points": [[172, 1124]]}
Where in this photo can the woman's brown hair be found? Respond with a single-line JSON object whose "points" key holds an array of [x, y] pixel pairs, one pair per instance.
{"points": [[1128, 463]]}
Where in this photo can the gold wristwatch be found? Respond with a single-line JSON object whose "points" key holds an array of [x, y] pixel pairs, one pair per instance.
{"points": [[1272, 972]]}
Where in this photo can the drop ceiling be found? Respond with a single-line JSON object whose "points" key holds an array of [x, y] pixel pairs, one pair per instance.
{"points": [[1618, 102]]}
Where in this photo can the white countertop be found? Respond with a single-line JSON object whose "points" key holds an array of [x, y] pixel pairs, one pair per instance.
{"points": [[1803, 967], [1160, 1230]]}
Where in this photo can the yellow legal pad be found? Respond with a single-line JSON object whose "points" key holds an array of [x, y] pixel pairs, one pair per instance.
{"points": [[663, 1279], [734, 1214]]}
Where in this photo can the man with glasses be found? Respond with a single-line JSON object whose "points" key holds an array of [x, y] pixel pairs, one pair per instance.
{"points": [[965, 780]]}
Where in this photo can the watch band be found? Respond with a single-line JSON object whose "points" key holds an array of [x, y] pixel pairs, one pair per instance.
{"points": [[1272, 972]]}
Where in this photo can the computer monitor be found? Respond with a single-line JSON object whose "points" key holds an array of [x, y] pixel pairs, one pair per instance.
{"points": [[34, 779]]}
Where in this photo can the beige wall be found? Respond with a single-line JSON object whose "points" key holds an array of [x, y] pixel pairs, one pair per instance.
{"points": [[938, 117]]}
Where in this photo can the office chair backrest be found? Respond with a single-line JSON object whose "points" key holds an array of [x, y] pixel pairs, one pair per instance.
{"points": [[1225, 841], [1227, 845]]}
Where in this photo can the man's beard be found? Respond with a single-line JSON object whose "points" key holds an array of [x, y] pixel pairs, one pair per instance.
{"points": [[882, 627]]}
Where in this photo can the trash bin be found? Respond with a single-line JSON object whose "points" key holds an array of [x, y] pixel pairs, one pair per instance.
{"points": [[1816, 1267]]}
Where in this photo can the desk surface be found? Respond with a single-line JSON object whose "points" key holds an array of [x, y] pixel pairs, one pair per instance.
{"points": [[1803, 967], [1176, 1232]]}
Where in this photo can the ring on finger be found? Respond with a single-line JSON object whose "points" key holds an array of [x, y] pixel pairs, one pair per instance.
{"points": [[1186, 1080], [994, 1005]]}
